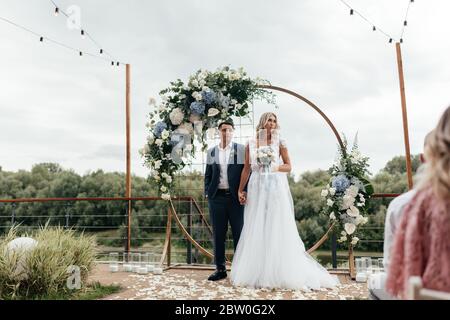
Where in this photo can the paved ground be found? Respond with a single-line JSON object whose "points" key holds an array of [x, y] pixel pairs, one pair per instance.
{"points": [[176, 284]]}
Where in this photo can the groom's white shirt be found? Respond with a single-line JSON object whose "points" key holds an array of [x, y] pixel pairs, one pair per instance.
{"points": [[224, 156]]}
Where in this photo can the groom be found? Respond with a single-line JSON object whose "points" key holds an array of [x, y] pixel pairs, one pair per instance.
{"points": [[222, 176]]}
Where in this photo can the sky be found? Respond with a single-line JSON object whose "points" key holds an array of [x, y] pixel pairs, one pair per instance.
{"points": [[56, 106]]}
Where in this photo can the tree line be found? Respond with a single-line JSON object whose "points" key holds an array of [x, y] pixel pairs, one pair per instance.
{"points": [[50, 180]]}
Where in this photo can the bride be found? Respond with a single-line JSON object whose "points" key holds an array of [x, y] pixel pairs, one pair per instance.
{"points": [[270, 252]]}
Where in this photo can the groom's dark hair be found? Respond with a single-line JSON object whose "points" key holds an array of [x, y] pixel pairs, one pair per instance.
{"points": [[228, 121]]}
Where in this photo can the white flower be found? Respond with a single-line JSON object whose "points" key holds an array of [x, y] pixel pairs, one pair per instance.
{"points": [[169, 179], [194, 118], [185, 128], [330, 202], [353, 211], [165, 196], [343, 239], [359, 219], [164, 175], [163, 189], [176, 116], [343, 233], [349, 228], [157, 177], [150, 138], [239, 106], [194, 83], [151, 101], [161, 108], [332, 191], [332, 216], [213, 112], [347, 202], [159, 142], [233, 101], [324, 193], [157, 164], [352, 191], [355, 240], [165, 134], [197, 95]]}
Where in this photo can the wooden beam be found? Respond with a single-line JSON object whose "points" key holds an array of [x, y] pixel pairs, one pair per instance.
{"points": [[128, 141], [404, 115]]}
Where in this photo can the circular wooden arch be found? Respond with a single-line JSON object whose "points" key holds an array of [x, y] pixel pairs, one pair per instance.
{"points": [[322, 114], [172, 211]]}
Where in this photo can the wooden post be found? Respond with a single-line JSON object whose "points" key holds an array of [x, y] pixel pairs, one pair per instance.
{"points": [[128, 174], [404, 115], [351, 262], [169, 227], [167, 242]]}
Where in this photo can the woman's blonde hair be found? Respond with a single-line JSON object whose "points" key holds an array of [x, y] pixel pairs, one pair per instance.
{"points": [[436, 172], [263, 121]]}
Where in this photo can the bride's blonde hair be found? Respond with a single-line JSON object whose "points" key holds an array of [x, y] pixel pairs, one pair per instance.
{"points": [[436, 171], [263, 121]]}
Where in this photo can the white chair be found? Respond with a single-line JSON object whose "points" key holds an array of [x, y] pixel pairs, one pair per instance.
{"points": [[416, 291]]}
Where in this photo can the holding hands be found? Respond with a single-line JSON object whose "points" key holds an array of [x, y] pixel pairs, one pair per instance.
{"points": [[242, 197]]}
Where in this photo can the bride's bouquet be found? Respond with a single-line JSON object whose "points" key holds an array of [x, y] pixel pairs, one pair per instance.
{"points": [[265, 156]]}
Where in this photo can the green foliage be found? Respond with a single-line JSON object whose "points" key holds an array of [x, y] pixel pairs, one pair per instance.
{"points": [[46, 264], [397, 165], [43, 181]]}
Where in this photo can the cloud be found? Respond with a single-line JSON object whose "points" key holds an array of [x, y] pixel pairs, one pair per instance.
{"points": [[113, 152]]}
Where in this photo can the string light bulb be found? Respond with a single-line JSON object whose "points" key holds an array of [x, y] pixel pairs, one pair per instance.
{"points": [[374, 28], [401, 40], [56, 11], [41, 39], [117, 63], [82, 34], [405, 23], [101, 51], [81, 53], [390, 40], [351, 12], [112, 63]]}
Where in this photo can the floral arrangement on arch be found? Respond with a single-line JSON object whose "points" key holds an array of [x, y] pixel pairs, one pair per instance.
{"points": [[348, 193], [193, 110]]}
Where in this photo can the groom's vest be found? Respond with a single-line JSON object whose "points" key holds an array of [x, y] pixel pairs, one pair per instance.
{"points": [[234, 170]]}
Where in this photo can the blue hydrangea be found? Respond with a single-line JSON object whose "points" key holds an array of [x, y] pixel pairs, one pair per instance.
{"points": [[159, 128], [340, 183], [209, 97], [197, 107], [224, 102]]}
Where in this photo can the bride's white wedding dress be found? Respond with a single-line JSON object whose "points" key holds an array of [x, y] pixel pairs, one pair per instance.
{"points": [[270, 252]]}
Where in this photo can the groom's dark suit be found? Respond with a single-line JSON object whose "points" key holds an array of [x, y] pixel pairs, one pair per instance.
{"points": [[223, 204]]}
